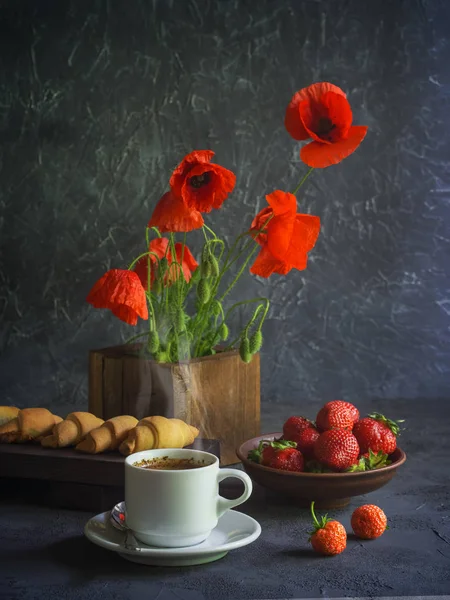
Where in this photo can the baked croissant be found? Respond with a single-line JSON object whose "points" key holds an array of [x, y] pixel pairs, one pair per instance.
{"points": [[158, 432], [108, 436], [31, 424], [72, 430], [8, 413]]}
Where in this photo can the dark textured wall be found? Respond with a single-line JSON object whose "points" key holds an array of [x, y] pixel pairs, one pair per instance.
{"points": [[99, 101]]}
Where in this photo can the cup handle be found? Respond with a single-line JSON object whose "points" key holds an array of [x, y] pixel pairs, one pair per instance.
{"points": [[223, 504]]}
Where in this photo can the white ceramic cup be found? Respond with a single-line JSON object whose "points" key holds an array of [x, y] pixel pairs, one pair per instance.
{"points": [[176, 508]]}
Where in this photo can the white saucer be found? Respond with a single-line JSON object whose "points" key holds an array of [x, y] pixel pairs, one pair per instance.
{"points": [[233, 530]]}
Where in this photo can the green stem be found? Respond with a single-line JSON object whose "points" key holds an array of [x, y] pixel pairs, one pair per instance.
{"points": [[302, 181], [241, 270], [204, 233], [315, 521], [136, 337], [183, 247], [156, 230], [136, 259], [210, 231], [265, 300]]}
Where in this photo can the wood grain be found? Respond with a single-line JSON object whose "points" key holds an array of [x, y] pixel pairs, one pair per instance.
{"points": [[219, 394]]}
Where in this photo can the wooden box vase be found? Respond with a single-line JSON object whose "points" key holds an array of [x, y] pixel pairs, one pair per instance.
{"points": [[219, 394]]}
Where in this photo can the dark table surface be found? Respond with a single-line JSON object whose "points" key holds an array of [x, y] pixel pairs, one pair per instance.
{"points": [[43, 553]]}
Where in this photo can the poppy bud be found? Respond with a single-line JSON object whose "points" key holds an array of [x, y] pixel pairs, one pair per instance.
{"points": [[216, 308], [224, 331], [163, 265], [179, 323], [206, 269], [161, 356], [196, 276], [157, 287], [244, 350], [215, 270], [153, 342], [203, 291], [256, 342]]}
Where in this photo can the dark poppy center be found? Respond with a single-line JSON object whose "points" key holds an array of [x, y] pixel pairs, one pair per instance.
{"points": [[324, 127], [199, 181]]}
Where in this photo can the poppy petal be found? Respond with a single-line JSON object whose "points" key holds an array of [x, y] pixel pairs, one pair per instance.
{"points": [[305, 233], [329, 120], [339, 112], [282, 202], [279, 234], [199, 156], [228, 181], [189, 263], [141, 270], [210, 193], [312, 93], [266, 264], [190, 160], [124, 313], [172, 214], [293, 122], [315, 91], [259, 223], [159, 247], [121, 292], [320, 155]]}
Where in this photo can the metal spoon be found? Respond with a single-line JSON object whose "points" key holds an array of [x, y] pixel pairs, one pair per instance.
{"points": [[118, 520]]}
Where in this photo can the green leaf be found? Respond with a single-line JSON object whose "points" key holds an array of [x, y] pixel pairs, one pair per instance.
{"points": [[393, 425]]}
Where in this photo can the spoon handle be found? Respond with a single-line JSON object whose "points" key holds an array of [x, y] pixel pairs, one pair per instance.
{"points": [[130, 542]]}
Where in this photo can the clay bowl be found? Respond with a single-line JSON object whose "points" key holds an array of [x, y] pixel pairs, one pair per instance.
{"points": [[328, 490]]}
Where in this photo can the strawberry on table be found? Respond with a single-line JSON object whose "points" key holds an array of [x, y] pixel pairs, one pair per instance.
{"points": [[377, 433], [279, 454], [329, 537], [369, 522], [293, 426], [337, 414], [337, 449]]}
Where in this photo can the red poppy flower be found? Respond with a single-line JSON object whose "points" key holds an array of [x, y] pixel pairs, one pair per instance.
{"points": [[287, 238], [202, 184], [171, 214], [122, 292], [323, 113], [160, 247]]}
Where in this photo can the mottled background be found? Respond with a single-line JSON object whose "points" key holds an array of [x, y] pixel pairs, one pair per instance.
{"points": [[100, 99]]}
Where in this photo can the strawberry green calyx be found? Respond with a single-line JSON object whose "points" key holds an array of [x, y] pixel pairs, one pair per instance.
{"points": [[375, 460], [318, 523], [314, 466], [255, 454], [393, 425], [358, 467]]}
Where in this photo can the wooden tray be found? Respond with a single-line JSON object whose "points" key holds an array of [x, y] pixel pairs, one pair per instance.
{"points": [[67, 478]]}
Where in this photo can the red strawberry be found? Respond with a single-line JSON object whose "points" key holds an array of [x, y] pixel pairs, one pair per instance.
{"points": [[329, 537], [369, 522], [377, 433], [293, 426], [305, 441], [337, 449], [278, 455], [337, 414]]}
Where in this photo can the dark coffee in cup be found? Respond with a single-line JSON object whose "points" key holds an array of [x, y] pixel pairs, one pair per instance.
{"points": [[166, 463]]}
